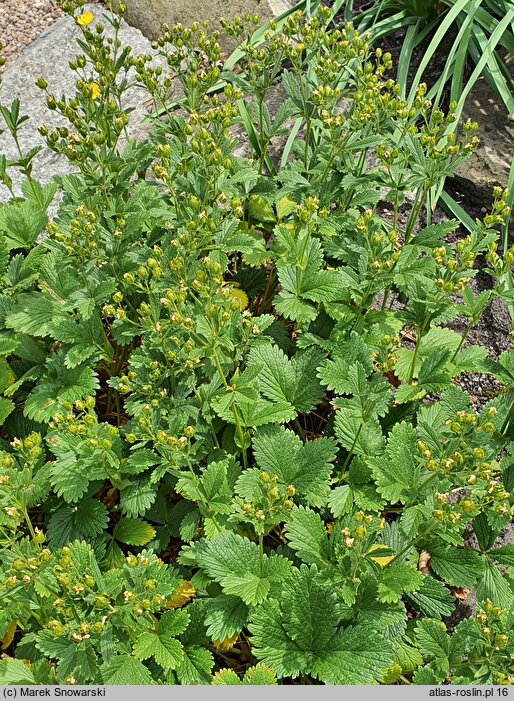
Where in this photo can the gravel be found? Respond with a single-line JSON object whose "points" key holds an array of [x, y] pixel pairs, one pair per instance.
{"points": [[21, 21]]}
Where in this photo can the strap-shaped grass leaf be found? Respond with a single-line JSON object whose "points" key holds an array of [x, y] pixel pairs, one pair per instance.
{"points": [[235, 563]]}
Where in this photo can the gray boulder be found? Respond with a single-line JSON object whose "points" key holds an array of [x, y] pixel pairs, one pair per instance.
{"points": [[150, 15]]}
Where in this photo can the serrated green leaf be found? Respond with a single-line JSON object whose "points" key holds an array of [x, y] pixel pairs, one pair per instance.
{"points": [[235, 563], [133, 531], [82, 522], [226, 616], [432, 639], [461, 568], [432, 599], [307, 467], [307, 536], [125, 670], [15, 672], [396, 580], [300, 635], [138, 496]]}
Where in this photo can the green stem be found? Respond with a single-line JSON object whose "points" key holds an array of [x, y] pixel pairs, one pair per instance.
{"points": [[414, 357], [463, 339], [411, 544], [261, 135], [300, 429], [414, 214], [307, 139], [506, 423], [350, 454], [219, 368], [29, 523], [261, 550]]}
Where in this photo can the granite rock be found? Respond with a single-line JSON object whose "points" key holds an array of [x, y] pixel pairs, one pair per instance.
{"points": [[150, 15]]}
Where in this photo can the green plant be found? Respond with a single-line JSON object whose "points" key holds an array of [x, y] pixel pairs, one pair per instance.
{"points": [[483, 37], [229, 383]]}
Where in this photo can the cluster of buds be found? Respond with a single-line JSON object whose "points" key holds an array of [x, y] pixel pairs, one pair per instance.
{"points": [[26, 569], [351, 536], [386, 356], [80, 237], [81, 420], [494, 627], [270, 505]]}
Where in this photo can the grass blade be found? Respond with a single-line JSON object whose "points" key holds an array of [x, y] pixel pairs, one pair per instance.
{"points": [[449, 19]]}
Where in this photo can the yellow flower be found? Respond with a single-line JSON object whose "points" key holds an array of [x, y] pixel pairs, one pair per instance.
{"points": [[85, 18], [95, 90], [239, 295], [184, 592]]}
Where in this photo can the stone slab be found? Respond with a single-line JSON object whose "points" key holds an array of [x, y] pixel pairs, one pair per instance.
{"points": [[49, 56], [489, 165]]}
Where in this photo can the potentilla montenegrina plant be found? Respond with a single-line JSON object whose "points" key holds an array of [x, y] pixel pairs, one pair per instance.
{"points": [[229, 402]]}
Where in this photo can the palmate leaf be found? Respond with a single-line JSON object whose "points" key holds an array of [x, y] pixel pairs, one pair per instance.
{"points": [[78, 659], [493, 585], [125, 670], [69, 477], [259, 675], [15, 672], [196, 666], [432, 639], [138, 495], [133, 531], [59, 384], [21, 223], [235, 563], [460, 568], [226, 615], [333, 373], [432, 599], [395, 472], [358, 436], [307, 467], [82, 522], [34, 315], [396, 580], [284, 380], [301, 634], [307, 535], [162, 643]]}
